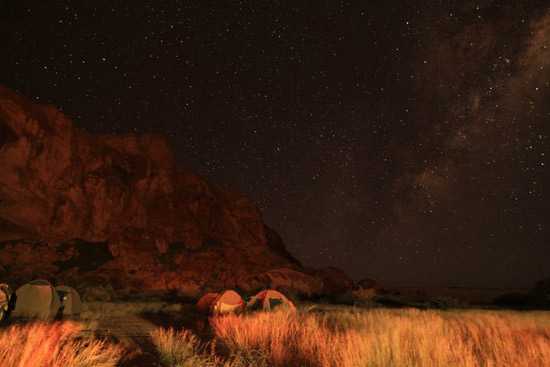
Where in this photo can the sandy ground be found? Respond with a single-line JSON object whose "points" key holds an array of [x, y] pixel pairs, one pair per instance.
{"points": [[132, 332]]}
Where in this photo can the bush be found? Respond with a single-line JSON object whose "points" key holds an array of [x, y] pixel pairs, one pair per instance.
{"points": [[364, 295]]}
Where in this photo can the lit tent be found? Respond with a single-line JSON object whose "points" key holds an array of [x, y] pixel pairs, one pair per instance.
{"points": [[223, 303], [5, 296], [227, 302], [268, 300], [205, 302], [37, 299], [70, 300]]}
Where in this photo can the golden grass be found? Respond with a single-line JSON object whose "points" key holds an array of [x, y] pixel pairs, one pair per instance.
{"points": [[391, 338], [182, 349], [344, 337], [53, 345]]}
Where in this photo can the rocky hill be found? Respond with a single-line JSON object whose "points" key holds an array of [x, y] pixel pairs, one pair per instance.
{"points": [[114, 211]]}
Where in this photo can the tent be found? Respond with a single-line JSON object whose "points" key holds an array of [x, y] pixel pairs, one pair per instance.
{"points": [[70, 300], [221, 303], [5, 298], [268, 300], [37, 299], [204, 303], [227, 302]]}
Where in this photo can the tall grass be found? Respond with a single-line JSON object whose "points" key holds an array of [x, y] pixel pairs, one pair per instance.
{"points": [[390, 338], [182, 349], [53, 345]]}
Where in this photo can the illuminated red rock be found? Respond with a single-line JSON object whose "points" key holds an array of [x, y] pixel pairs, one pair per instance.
{"points": [[76, 206]]}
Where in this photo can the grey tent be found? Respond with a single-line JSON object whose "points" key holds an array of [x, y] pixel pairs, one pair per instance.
{"points": [[70, 300], [37, 299], [5, 297]]}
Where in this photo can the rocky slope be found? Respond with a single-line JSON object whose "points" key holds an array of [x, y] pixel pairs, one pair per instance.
{"points": [[114, 211]]}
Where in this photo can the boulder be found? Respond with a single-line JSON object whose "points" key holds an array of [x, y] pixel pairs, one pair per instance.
{"points": [[335, 281]]}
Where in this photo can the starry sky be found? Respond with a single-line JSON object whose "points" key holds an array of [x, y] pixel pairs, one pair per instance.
{"points": [[401, 140]]}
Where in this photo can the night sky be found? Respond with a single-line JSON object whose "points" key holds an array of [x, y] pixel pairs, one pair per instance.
{"points": [[401, 140]]}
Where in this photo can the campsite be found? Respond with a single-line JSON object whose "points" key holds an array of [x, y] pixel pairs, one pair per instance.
{"points": [[266, 329], [274, 183]]}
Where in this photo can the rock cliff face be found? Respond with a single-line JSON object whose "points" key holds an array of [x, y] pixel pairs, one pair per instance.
{"points": [[102, 209]]}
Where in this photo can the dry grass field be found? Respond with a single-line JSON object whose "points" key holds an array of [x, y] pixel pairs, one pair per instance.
{"points": [[341, 336], [384, 338], [54, 345]]}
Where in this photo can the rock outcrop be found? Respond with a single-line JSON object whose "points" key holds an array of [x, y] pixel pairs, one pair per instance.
{"points": [[113, 210], [335, 281]]}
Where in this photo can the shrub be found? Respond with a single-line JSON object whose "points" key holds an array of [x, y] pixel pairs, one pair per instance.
{"points": [[364, 295]]}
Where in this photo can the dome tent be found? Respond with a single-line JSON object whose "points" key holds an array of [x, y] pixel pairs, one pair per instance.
{"points": [[221, 303], [228, 302], [205, 302], [268, 300], [70, 300], [37, 299]]}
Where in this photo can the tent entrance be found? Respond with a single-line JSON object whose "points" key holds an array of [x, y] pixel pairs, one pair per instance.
{"points": [[62, 295]]}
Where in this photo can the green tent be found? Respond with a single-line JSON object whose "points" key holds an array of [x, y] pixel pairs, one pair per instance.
{"points": [[70, 300], [37, 299]]}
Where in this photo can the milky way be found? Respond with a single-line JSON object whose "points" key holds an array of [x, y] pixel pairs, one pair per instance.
{"points": [[405, 142], [474, 195]]}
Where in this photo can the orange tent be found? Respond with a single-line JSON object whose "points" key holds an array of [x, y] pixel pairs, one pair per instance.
{"points": [[221, 303], [205, 302]]}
